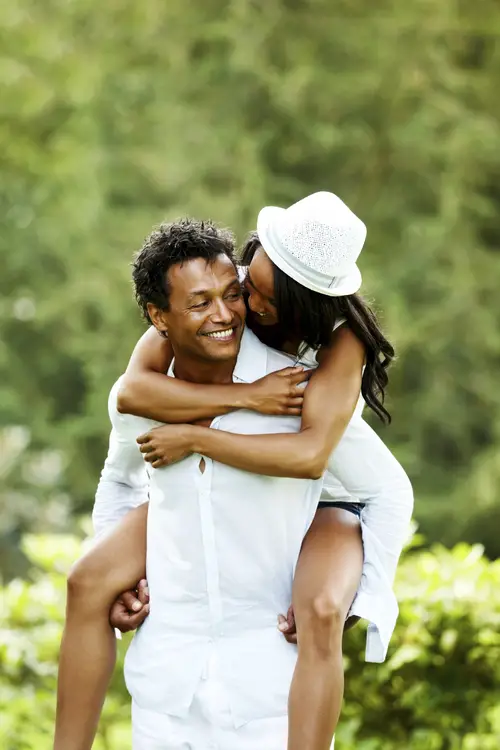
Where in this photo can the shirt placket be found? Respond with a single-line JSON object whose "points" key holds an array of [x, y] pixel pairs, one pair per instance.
{"points": [[204, 485]]}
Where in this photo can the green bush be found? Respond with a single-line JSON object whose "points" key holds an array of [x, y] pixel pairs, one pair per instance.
{"points": [[30, 632], [438, 690], [440, 686]]}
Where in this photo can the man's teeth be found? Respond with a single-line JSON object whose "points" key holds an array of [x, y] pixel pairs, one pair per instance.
{"points": [[221, 334]]}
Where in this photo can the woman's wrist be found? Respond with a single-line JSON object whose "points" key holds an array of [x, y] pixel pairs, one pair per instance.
{"points": [[250, 397], [196, 438], [245, 396]]}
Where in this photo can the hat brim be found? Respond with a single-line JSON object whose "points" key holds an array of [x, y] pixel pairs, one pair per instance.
{"points": [[267, 219]]}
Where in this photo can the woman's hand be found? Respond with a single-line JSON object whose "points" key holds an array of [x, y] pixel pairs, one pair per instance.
{"points": [[281, 392], [166, 445]]}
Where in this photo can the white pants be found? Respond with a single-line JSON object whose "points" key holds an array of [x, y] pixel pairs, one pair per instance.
{"points": [[208, 726]]}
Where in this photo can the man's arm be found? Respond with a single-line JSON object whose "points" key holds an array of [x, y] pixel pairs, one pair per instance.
{"points": [[124, 480]]}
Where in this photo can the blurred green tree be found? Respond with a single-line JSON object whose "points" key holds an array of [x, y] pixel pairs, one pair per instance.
{"points": [[115, 116]]}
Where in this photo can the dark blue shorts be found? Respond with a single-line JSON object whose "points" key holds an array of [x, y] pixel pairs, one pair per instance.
{"points": [[355, 508]]}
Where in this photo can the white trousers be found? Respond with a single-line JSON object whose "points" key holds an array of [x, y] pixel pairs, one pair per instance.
{"points": [[208, 726]]}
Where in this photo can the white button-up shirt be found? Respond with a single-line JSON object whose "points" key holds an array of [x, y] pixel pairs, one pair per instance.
{"points": [[250, 526], [221, 554]]}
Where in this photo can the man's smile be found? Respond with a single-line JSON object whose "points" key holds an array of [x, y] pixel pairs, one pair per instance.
{"points": [[227, 334]]}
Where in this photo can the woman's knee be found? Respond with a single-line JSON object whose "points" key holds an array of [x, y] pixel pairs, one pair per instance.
{"points": [[321, 619], [113, 565], [328, 610], [320, 625], [327, 578], [87, 582]]}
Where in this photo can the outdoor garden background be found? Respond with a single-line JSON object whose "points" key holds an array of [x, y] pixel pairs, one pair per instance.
{"points": [[116, 115]]}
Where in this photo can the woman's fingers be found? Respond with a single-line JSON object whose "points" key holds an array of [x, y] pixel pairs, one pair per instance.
{"points": [[158, 463], [301, 376]]}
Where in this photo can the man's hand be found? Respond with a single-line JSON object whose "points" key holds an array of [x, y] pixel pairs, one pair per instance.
{"points": [[166, 445], [131, 608], [287, 625]]}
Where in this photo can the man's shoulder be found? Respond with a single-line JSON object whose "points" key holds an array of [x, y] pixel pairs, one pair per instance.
{"points": [[258, 359], [277, 360]]}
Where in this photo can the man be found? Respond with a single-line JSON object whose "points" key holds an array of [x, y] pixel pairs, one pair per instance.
{"points": [[209, 668], [221, 562]]}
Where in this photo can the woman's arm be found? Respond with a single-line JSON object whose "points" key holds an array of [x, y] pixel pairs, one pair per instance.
{"points": [[146, 390], [329, 402]]}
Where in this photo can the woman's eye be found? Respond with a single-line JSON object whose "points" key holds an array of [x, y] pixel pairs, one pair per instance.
{"points": [[234, 295]]}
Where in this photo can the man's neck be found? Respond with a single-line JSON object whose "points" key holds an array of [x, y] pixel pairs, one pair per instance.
{"points": [[203, 371]]}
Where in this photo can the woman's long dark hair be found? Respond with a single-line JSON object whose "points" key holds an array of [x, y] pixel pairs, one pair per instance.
{"points": [[310, 317]]}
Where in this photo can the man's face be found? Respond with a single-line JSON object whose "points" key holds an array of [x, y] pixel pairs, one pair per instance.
{"points": [[207, 313]]}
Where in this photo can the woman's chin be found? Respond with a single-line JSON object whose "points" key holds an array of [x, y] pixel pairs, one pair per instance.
{"points": [[261, 320]]}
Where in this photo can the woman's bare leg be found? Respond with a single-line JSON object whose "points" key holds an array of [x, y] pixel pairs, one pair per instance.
{"points": [[326, 580], [88, 649]]}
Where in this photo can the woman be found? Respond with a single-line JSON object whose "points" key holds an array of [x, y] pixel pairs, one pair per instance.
{"points": [[321, 313]]}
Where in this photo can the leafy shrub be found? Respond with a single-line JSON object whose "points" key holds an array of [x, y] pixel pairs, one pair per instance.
{"points": [[438, 690]]}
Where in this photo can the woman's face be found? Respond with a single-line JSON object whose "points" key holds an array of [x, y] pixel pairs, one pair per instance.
{"points": [[259, 284]]}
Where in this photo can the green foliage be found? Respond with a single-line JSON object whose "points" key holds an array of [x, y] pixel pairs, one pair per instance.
{"points": [[217, 109], [440, 686], [30, 634], [114, 116], [438, 690]]}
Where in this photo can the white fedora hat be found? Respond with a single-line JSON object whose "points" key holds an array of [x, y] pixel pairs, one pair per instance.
{"points": [[317, 242]]}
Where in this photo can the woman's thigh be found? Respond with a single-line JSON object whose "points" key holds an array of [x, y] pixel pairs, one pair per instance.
{"points": [[117, 561], [330, 564]]}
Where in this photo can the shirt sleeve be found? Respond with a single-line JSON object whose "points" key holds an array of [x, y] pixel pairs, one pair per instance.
{"points": [[363, 468], [124, 479]]}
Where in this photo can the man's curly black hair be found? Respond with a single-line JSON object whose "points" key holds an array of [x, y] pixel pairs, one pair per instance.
{"points": [[168, 245]]}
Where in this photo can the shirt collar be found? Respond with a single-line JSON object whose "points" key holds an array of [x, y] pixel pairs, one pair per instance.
{"points": [[251, 363]]}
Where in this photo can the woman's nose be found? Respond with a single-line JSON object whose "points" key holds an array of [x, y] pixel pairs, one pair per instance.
{"points": [[255, 304]]}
